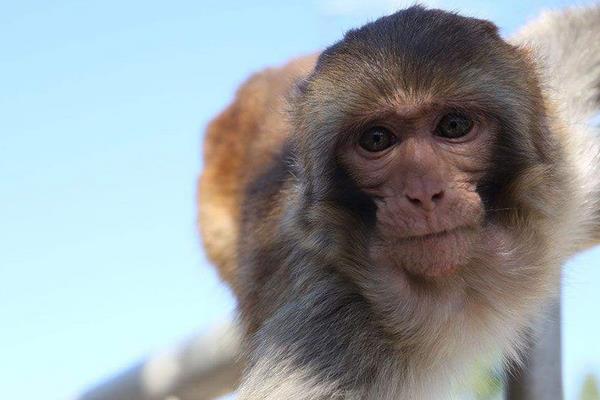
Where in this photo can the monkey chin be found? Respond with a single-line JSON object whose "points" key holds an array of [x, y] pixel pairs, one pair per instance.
{"points": [[436, 255]]}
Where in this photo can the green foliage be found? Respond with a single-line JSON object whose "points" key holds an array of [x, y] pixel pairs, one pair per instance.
{"points": [[486, 385], [589, 390]]}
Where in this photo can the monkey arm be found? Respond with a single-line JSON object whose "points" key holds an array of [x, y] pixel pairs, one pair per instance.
{"points": [[566, 48]]}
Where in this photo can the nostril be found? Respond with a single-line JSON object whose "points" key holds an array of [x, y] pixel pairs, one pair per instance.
{"points": [[425, 201], [413, 201]]}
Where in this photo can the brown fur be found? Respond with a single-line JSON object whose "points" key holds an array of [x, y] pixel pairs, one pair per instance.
{"points": [[238, 145], [291, 230]]}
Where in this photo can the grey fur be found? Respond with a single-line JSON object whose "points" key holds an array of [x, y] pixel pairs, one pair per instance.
{"points": [[567, 46]]}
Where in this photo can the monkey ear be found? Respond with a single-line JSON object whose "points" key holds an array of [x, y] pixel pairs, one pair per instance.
{"points": [[488, 27], [296, 93], [300, 87]]}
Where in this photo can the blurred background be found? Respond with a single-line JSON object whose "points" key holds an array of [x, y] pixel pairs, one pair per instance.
{"points": [[102, 110]]}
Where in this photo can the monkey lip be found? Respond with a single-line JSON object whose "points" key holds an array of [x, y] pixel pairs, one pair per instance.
{"points": [[434, 235], [436, 254]]}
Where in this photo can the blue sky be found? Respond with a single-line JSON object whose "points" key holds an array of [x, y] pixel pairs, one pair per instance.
{"points": [[102, 108]]}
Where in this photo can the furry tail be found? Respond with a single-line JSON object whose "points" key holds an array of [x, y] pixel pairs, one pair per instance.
{"points": [[567, 45]]}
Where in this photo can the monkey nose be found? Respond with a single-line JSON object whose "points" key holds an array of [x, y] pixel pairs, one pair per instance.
{"points": [[425, 198]]}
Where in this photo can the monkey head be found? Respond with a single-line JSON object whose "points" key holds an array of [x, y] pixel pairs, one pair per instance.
{"points": [[430, 133]]}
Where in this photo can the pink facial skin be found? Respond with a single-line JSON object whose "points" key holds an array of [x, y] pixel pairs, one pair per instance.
{"points": [[424, 185]]}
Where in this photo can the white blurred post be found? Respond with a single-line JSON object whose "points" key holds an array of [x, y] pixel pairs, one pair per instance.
{"points": [[540, 378], [203, 368]]}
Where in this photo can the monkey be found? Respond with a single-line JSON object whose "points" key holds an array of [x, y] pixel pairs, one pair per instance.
{"points": [[394, 212]]}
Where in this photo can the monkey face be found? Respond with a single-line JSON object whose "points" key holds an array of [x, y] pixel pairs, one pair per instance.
{"points": [[421, 165]]}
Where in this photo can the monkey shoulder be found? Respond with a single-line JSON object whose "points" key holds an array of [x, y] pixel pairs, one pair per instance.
{"points": [[240, 144]]}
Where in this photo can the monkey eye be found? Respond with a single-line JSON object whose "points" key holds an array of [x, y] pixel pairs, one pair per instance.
{"points": [[454, 126], [376, 139]]}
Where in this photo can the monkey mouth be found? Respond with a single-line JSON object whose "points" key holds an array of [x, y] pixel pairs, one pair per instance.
{"points": [[435, 254], [436, 235], [433, 235]]}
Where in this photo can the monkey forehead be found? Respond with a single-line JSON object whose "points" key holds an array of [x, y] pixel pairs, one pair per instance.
{"points": [[432, 41], [419, 53]]}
